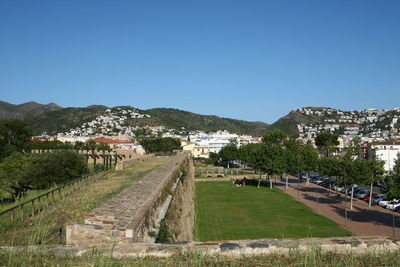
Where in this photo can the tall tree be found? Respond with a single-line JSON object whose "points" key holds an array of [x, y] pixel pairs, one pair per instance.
{"points": [[276, 137], [92, 146], [256, 158], [14, 137], [330, 166], [276, 161], [15, 175], [327, 142], [166, 144], [103, 147], [55, 168], [393, 190], [294, 160], [228, 153], [78, 146], [354, 148], [376, 170], [310, 158], [21, 172]]}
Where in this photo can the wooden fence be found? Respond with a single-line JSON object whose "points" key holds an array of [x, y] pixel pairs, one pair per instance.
{"points": [[41, 202], [223, 171]]}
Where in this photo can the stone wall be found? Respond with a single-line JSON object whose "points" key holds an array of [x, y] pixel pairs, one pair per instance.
{"points": [[133, 213], [358, 245], [180, 217], [147, 220]]}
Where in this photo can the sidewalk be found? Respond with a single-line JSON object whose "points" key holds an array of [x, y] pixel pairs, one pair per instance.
{"points": [[361, 220]]}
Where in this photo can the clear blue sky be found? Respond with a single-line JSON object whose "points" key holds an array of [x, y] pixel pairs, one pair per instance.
{"points": [[252, 60]]}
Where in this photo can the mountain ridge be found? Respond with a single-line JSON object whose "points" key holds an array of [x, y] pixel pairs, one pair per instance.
{"points": [[303, 122], [24, 110]]}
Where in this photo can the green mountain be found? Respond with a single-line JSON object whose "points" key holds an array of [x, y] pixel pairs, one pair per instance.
{"points": [[53, 119], [176, 119], [53, 122], [10, 111], [289, 123]]}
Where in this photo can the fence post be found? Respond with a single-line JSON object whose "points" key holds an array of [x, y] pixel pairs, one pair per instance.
{"points": [[22, 212], [39, 204], [33, 207]]}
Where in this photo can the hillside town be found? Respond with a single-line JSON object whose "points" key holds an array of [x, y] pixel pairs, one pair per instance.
{"points": [[370, 124], [377, 129]]}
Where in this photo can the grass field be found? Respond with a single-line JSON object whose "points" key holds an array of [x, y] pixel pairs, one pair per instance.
{"points": [[224, 212]]}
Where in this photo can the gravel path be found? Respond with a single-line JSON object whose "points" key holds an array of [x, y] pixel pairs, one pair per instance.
{"points": [[361, 220]]}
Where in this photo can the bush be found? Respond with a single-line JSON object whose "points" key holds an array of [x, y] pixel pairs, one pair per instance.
{"points": [[166, 144], [21, 172], [58, 167], [164, 236]]}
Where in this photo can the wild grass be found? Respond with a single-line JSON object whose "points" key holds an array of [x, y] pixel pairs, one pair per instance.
{"points": [[6, 202], [72, 208], [296, 258], [226, 212]]}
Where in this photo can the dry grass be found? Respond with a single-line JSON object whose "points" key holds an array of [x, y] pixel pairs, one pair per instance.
{"points": [[72, 208], [312, 258]]}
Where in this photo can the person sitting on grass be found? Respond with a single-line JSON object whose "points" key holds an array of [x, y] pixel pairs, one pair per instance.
{"points": [[238, 182]]}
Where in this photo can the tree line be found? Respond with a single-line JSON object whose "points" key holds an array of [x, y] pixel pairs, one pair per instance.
{"points": [[53, 162], [21, 171], [277, 155]]}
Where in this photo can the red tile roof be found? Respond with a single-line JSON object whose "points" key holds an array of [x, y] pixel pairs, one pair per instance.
{"points": [[112, 141]]}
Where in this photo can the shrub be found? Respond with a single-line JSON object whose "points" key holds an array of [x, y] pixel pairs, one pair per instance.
{"points": [[21, 172]]}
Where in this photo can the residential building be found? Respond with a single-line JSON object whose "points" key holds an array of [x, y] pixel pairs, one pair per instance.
{"points": [[386, 151]]}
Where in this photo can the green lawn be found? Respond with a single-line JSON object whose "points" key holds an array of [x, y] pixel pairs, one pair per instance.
{"points": [[224, 212]]}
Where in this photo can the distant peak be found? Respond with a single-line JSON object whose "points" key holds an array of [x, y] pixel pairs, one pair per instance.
{"points": [[97, 106]]}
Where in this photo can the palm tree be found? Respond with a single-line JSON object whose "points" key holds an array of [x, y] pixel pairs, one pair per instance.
{"points": [[104, 147]]}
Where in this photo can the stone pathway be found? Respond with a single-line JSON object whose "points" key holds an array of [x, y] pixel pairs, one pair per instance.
{"points": [[118, 212]]}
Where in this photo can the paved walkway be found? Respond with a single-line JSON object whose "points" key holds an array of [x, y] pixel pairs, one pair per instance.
{"points": [[361, 220]]}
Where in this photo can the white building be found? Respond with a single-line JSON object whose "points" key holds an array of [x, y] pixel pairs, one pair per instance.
{"points": [[215, 141], [386, 151]]}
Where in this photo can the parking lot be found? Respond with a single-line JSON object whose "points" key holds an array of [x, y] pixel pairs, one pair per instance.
{"points": [[361, 219]]}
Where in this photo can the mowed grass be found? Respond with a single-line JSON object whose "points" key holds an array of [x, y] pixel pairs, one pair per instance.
{"points": [[225, 212]]}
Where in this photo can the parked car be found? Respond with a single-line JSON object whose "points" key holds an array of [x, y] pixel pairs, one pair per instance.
{"points": [[347, 190], [393, 205], [326, 182], [357, 189], [385, 202], [303, 176], [338, 188], [381, 184], [320, 180], [315, 179], [377, 198], [368, 196], [361, 193]]}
